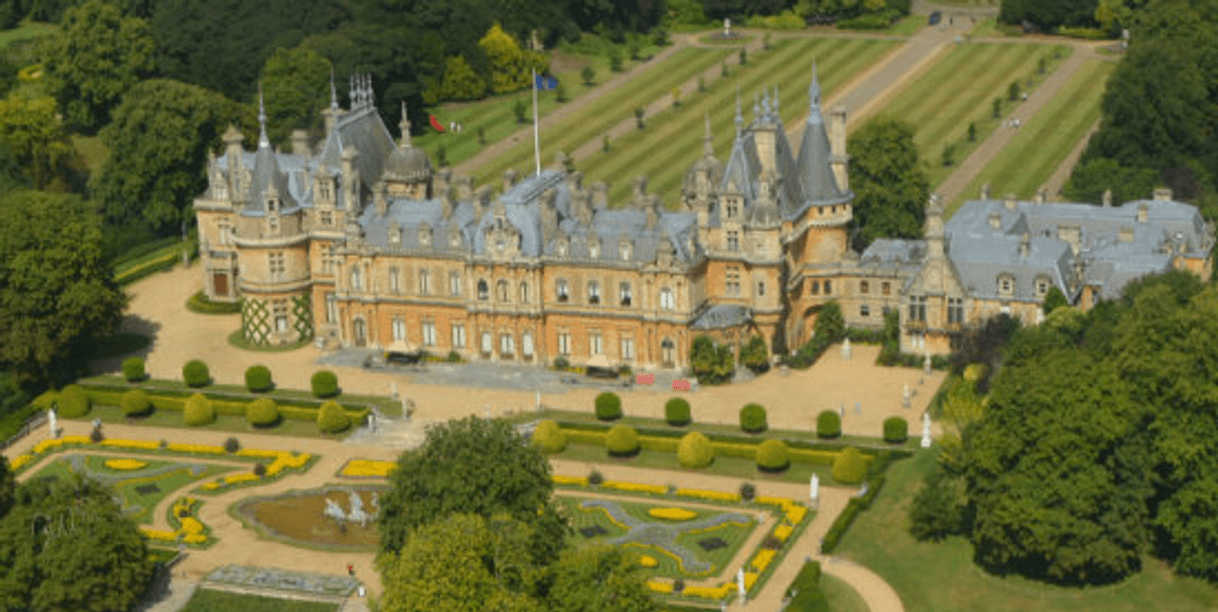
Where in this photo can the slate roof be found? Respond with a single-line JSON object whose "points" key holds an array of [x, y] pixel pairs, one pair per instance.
{"points": [[888, 251], [720, 316], [364, 130]]}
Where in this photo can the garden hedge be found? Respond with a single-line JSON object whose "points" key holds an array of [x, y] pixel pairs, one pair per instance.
{"points": [[608, 406], [73, 402], [198, 410], [896, 430], [804, 593], [773, 456], [196, 374], [695, 451], [549, 437], [324, 384], [262, 412], [133, 369], [676, 412], [752, 418], [108, 395], [622, 441], [331, 418], [849, 467], [258, 379], [828, 425], [136, 403]]}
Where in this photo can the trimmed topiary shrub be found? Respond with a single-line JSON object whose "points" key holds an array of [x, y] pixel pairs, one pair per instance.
{"points": [[324, 383], [595, 478], [549, 437], [773, 456], [73, 402], [231, 446], [849, 467], [331, 418], [748, 491], [695, 451], [196, 374], [198, 410], [258, 379], [752, 418], [896, 430], [828, 425], [133, 369], [262, 412], [136, 403], [260, 469], [608, 406], [676, 412], [622, 441]]}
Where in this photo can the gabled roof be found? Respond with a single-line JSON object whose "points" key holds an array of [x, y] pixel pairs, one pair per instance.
{"points": [[364, 130]]}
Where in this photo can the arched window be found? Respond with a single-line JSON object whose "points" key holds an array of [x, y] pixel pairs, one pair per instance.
{"points": [[501, 290], [483, 290], [668, 352], [524, 292]]}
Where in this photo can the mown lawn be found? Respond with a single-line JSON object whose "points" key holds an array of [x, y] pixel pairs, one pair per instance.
{"points": [[495, 114], [25, 31], [672, 140], [842, 597], [1040, 146], [941, 577], [960, 88], [210, 600]]}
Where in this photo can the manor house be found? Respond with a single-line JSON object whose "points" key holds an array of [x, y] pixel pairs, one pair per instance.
{"points": [[359, 241]]}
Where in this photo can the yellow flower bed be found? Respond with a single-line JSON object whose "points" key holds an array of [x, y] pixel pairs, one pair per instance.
{"points": [[581, 481], [750, 578], [125, 464], [212, 486], [46, 445], [246, 452], [191, 526], [648, 561], [722, 591], [367, 467], [703, 494], [781, 502], [196, 538], [135, 444], [762, 560], [782, 532], [197, 448], [155, 534], [796, 514], [77, 440], [21, 461], [642, 488], [659, 587], [719, 526], [672, 514], [239, 478]]}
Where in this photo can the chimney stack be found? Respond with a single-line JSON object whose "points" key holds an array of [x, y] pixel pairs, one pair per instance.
{"points": [[1143, 212], [1162, 194], [465, 187], [1025, 244], [1010, 201], [482, 201], [995, 221], [509, 179], [1107, 198], [600, 194], [985, 191], [300, 143]]}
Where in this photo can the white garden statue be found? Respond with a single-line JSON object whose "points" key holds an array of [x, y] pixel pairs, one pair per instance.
{"points": [[334, 511], [846, 349], [357, 514], [814, 494], [925, 430], [740, 584], [54, 423]]}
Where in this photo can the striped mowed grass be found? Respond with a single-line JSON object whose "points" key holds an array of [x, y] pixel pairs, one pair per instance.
{"points": [[1039, 147], [650, 84], [672, 140], [959, 89]]}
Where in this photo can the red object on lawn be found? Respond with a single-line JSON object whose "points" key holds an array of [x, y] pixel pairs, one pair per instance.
{"points": [[435, 123]]}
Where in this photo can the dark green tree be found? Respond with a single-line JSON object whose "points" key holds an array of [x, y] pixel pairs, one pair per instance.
{"points": [[754, 355], [1053, 300], [56, 293], [94, 59], [295, 85], [159, 144], [891, 188], [829, 322], [34, 140], [68, 546], [474, 466], [1090, 179], [709, 363], [599, 578]]}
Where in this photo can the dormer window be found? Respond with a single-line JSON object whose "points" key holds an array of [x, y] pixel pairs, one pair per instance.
{"points": [[733, 210], [594, 249], [454, 238], [562, 291], [594, 292], [272, 205], [395, 234], [425, 235], [272, 224], [325, 217], [623, 250], [1006, 285]]}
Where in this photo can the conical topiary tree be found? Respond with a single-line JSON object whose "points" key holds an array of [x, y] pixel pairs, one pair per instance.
{"points": [[331, 418]]}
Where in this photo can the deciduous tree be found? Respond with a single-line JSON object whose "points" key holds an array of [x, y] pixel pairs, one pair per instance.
{"points": [[603, 578], [295, 84], [34, 136], [890, 186]]}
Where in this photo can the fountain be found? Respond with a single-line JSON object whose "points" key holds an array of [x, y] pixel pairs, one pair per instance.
{"points": [[357, 514], [334, 511]]}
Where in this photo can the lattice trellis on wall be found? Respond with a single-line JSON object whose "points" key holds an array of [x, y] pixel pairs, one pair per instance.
{"points": [[302, 308], [255, 321]]}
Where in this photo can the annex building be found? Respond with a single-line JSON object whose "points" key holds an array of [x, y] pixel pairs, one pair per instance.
{"points": [[359, 241]]}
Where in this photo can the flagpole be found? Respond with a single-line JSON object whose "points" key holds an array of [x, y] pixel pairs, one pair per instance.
{"points": [[536, 127]]}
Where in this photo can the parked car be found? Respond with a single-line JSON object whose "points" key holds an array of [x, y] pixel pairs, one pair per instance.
{"points": [[936, 17]]}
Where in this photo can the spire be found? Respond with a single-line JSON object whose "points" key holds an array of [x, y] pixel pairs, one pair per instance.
{"points": [[765, 103], [263, 141], [405, 126], [708, 143], [333, 93], [739, 118], [814, 89], [370, 95]]}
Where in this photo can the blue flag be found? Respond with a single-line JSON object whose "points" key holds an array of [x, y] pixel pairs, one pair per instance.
{"points": [[543, 83]]}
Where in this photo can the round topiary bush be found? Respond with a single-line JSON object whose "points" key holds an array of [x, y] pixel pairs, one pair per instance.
{"points": [[549, 437], [133, 369], [676, 412], [896, 430], [608, 406], [752, 418], [198, 410], [828, 425], [748, 491], [196, 374], [232, 445], [262, 412], [324, 383], [695, 451], [258, 379], [849, 467], [136, 403], [773, 456], [73, 402], [622, 441], [974, 372], [332, 418]]}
